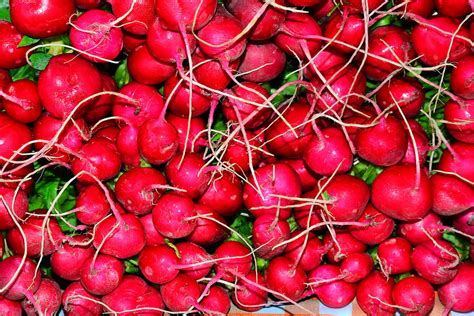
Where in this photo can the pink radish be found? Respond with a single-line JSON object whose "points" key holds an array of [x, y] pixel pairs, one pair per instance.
{"points": [[24, 284], [195, 141], [157, 141], [451, 195], [462, 78], [92, 205], [414, 295], [458, 116], [309, 254], [13, 135], [11, 56], [406, 92], [346, 244], [152, 236], [209, 228], [374, 293], [418, 232], [217, 301], [158, 264], [181, 293], [460, 160], [173, 216], [86, 305], [102, 274], [138, 14], [9, 202], [234, 260], [144, 68], [249, 297], [267, 233], [395, 256], [345, 28], [380, 226], [69, 258], [180, 15], [285, 278], [262, 62], [197, 259], [47, 299], [457, 294], [356, 266]]}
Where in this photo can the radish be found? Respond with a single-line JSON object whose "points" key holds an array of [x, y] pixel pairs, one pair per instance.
{"points": [[374, 294], [434, 47], [456, 113], [139, 189], [124, 241], [414, 296], [68, 259], [144, 68], [134, 293], [92, 205], [127, 146], [210, 72], [462, 78], [456, 295], [233, 259], [395, 256], [216, 301], [10, 307], [86, 305], [5, 80], [41, 19], [102, 274], [307, 177], [138, 14], [357, 6], [174, 216], [268, 23], [419, 231], [309, 254], [209, 228], [278, 184], [380, 226], [460, 160], [17, 175], [262, 62], [47, 299], [437, 263], [158, 264], [422, 8], [451, 195], [326, 285], [356, 266], [181, 293], [455, 10], [341, 246], [179, 15], [152, 236], [24, 284], [13, 137], [9, 202], [88, 4], [344, 28], [308, 212], [422, 146], [304, 3], [196, 257], [195, 141], [11, 56], [249, 297], [399, 188], [406, 92], [132, 41], [60, 93], [324, 60], [285, 278], [237, 152], [465, 222], [107, 130], [267, 233], [103, 104]]}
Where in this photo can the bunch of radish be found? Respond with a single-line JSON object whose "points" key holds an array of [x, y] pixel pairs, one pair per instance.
{"points": [[184, 156]]}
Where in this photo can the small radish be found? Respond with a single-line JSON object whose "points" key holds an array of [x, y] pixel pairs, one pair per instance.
{"points": [[462, 78], [196, 257], [11, 56], [237, 152], [345, 28], [346, 244], [181, 293], [158, 264], [374, 293], [13, 136], [132, 41], [422, 8], [285, 278], [16, 203], [249, 297], [174, 216], [262, 62], [208, 231], [195, 141], [456, 295], [406, 92], [460, 160], [379, 227], [267, 233], [415, 294], [233, 259], [465, 222], [309, 254], [395, 256], [47, 299], [5, 80], [457, 9], [157, 141], [457, 117], [152, 236], [92, 205], [324, 60], [24, 284], [103, 105], [356, 266], [180, 15], [451, 195], [69, 258], [10, 307], [102, 274], [419, 231], [138, 14], [211, 73], [144, 68], [87, 305], [217, 301], [308, 178], [357, 5]]}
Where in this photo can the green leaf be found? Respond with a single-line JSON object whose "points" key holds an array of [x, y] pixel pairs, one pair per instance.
{"points": [[460, 243], [173, 246], [25, 72], [131, 266], [40, 60], [5, 10], [293, 224], [243, 224], [402, 276], [122, 76], [27, 41], [365, 171], [262, 264]]}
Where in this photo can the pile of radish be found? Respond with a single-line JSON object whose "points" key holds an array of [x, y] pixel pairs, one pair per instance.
{"points": [[184, 156]]}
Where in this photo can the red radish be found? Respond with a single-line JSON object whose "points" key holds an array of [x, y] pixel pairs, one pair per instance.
{"points": [[134, 293], [124, 241], [419, 231], [139, 19], [188, 174], [462, 78], [456, 9], [414, 295], [357, 6], [11, 56], [218, 39], [98, 157], [196, 257], [132, 41], [254, 115], [396, 190], [24, 284], [249, 297], [262, 62], [5, 80], [347, 83], [323, 9], [380, 226], [88, 4], [144, 68], [10, 307], [208, 231], [406, 92], [324, 60], [108, 132], [180, 15], [233, 259], [152, 236], [60, 92], [451, 195], [224, 194], [286, 142], [13, 136], [17, 204], [92, 205], [95, 32], [356, 266], [139, 189], [195, 141], [295, 36], [268, 23], [16, 175], [307, 177], [47, 299], [103, 105], [168, 46], [102, 274], [433, 45], [346, 244], [328, 152], [348, 29], [148, 104], [456, 295], [41, 19], [173, 216], [311, 253], [237, 152], [395, 256], [436, 263], [211, 73], [68, 259], [422, 147], [465, 222], [303, 212], [39, 241], [267, 233], [181, 293], [217, 300], [75, 305], [460, 161], [278, 184], [2, 245], [158, 264], [458, 116], [127, 146], [422, 8], [325, 276], [374, 293], [285, 278]]}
